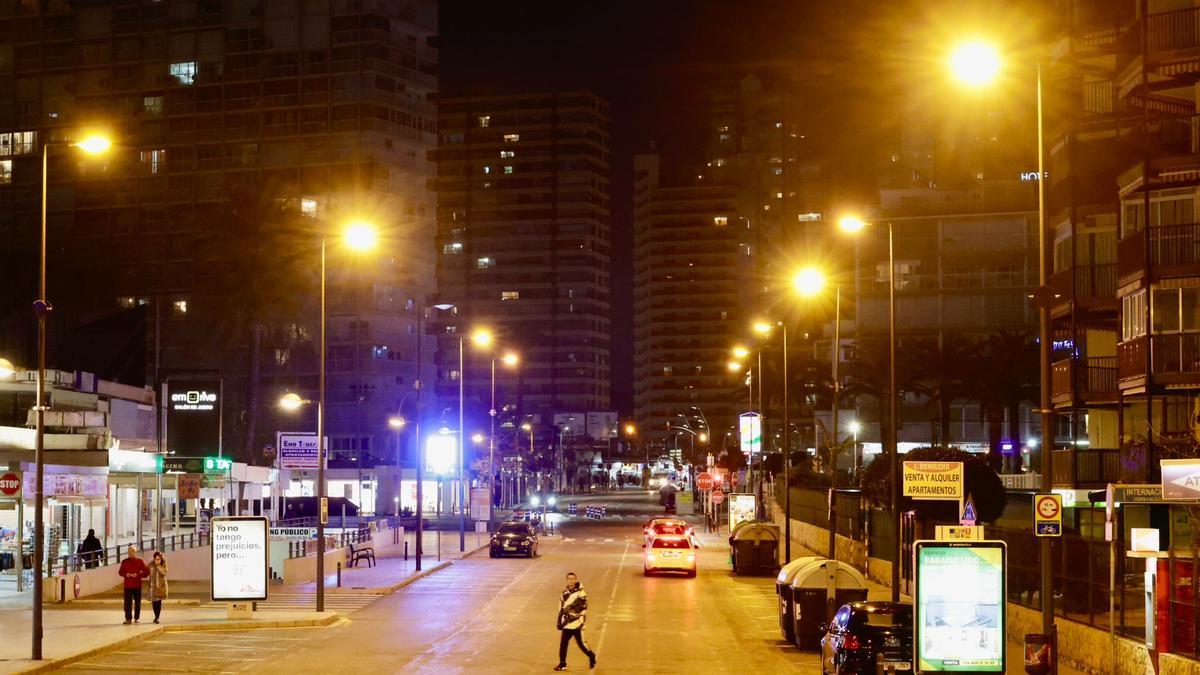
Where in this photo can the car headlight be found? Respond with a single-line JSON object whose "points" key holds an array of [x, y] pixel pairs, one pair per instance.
{"points": [[552, 501], [535, 500]]}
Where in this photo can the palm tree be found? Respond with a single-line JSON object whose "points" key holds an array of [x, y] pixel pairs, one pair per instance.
{"points": [[1005, 375], [262, 268], [943, 377]]}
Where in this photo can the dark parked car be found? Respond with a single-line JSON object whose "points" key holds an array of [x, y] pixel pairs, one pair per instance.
{"points": [[514, 538], [863, 635]]}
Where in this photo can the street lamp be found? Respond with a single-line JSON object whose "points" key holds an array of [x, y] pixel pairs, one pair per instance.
{"points": [[975, 64], [7, 369], [481, 338], [92, 144], [356, 236], [764, 328], [855, 427], [511, 360]]}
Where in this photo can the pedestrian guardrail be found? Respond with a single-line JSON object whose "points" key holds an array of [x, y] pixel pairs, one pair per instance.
{"points": [[113, 555], [596, 512]]}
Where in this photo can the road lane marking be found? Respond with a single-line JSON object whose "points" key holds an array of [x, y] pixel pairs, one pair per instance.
{"points": [[611, 598]]}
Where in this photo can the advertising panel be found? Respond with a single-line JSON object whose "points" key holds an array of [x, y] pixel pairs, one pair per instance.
{"points": [[959, 613], [298, 450], [933, 480], [194, 416], [750, 433], [1180, 479], [239, 558], [481, 503], [441, 454], [741, 509]]}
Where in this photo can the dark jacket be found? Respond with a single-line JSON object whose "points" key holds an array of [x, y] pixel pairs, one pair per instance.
{"points": [[572, 609], [133, 570]]}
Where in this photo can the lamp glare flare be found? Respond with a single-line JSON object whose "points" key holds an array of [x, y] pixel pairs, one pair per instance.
{"points": [[975, 63]]}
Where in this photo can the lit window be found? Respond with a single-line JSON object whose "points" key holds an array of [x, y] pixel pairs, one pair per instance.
{"points": [[153, 159], [485, 120], [510, 295], [723, 128], [453, 248], [282, 356], [808, 217], [779, 125], [720, 161], [512, 138], [380, 351], [777, 170], [5, 171], [484, 263], [508, 169], [720, 221], [668, 371], [126, 301], [308, 207], [724, 138], [152, 105], [184, 72], [487, 169], [774, 160], [16, 143], [778, 195], [724, 315], [453, 375], [506, 154], [180, 306]]}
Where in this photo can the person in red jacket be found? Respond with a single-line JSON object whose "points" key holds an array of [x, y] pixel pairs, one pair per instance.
{"points": [[133, 570]]}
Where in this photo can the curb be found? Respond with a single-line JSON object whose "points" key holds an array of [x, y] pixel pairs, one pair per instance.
{"points": [[413, 578], [55, 664], [477, 549]]}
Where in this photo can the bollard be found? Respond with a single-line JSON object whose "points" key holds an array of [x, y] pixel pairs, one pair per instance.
{"points": [[406, 551], [339, 575]]}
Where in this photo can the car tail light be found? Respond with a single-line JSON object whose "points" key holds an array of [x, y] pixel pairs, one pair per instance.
{"points": [[851, 642]]}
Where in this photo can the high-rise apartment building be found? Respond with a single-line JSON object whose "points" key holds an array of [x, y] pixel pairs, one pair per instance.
{"points": [[523, 249], [693, 300], [230, 118]]}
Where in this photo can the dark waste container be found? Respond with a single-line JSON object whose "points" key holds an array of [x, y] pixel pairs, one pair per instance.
{"points": [[1038, 653], [810, 590], [783, 589], [754, 548]]}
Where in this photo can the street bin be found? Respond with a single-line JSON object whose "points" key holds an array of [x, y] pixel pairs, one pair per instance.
{"points": [[783, 589], [1038, 647], [814, 588], [755, 548]]}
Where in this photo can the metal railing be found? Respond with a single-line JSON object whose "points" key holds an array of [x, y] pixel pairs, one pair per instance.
{"points": [[113, 555], [1179, 29], [1096, 375], [1095, 466]]}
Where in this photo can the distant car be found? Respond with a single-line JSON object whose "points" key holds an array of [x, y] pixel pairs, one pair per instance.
{"points": [[670, 554], [866, 635], [667, 526], [513, 538]]}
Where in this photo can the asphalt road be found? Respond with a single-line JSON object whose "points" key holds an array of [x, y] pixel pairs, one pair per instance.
{"points": [[498, 616]]}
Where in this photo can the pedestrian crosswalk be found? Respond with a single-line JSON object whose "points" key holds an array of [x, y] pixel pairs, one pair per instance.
{"points": [[344, 603]]}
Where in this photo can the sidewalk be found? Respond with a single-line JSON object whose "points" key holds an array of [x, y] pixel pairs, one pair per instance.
{"points": [[83, 628]]}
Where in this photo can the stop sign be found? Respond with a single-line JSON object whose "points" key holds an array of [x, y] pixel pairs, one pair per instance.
{"points": [[704, 481], [718, 497], [10, 484]]}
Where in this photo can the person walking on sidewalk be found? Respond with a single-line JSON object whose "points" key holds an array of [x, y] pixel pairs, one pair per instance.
{"points": [[572, 614], [158, 583], [91, 551], [133, 570]]}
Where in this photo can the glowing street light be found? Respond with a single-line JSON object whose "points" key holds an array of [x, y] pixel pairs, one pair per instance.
{"points": [[360, 236], [809, 281], [630, 429], [291, 402], [7, 369], [734, 366], [482, 338], [510, 359], [397, 422], [741, 352], [95, 144], [477, 439], [762, 327], [526, 427], [851, 224], [975, 63]]}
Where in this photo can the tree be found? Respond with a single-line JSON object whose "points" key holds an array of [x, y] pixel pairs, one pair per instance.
{"points": [[262, 262], [980, 481], [1004, 375], [945, 376]]}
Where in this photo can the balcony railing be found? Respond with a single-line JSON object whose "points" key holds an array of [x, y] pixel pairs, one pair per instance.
{"points": [[1173, 30], [1094, 377], [1170, 246], [1171, 354], [1078, 468], [1091, 282]]}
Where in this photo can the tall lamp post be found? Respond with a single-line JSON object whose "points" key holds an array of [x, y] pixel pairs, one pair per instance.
{"points": [[976, 64], [357, 236], [511, 360], [764, 328], [854, 225], [92, 145]]}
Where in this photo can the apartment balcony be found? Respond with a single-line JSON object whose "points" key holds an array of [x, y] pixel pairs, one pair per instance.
{"points": [[1173, 50], [1081, 468], [1082, 381], [1174, 250], [1174, 360], [1087, 287]]}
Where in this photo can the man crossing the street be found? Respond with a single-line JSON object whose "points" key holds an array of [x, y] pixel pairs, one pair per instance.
{"points": [[572, 614]]}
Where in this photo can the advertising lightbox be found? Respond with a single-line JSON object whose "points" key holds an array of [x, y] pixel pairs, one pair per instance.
{"points": [[194, 417], [959, 613], [441, 454], [741, 509], [750, 433], [239, 558]]}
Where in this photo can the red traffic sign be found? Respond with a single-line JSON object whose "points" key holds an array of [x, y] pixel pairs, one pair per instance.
{"points": [[718, 497], [704, 481], [10, 484]]}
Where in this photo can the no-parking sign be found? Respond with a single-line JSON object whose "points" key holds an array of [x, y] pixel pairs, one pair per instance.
{"points": [[1047, 515]]}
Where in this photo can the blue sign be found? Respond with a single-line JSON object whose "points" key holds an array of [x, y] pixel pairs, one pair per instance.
{"points": [[1049, 529]]}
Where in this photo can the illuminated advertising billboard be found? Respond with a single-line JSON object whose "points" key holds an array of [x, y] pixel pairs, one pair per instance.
{"points": [[239, 558], [959, 614], [750, 428], [441, 454], [194, 417]]}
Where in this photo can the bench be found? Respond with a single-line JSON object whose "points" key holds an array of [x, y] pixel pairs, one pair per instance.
{"points": [[360, 552]]}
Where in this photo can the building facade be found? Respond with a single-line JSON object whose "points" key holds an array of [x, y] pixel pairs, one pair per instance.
{"points": [[523, 252], [244, 133]]}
